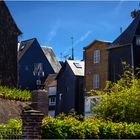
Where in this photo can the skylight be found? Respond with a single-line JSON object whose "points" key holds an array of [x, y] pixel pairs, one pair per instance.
{"points": [[77, 65], [22, 47]]}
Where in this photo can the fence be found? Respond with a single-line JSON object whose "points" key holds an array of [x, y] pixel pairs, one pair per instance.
{"points": [[10, 134]]}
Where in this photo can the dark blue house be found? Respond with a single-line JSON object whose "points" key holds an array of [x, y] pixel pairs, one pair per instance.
{"points": [[126, 47], [70, 95], [35, 64]]}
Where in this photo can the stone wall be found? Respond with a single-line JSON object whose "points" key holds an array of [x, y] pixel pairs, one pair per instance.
{"points": [[31, 124], [40, 101], [11, 109]]}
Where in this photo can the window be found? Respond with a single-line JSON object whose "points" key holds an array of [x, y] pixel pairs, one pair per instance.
{"points": [[22, 47], [38, 82], [52, 100], [138, 41], [96, 81], [38, 69], [52, 90], [91, 102], [77, 65], [96, 56], [60, 96]]}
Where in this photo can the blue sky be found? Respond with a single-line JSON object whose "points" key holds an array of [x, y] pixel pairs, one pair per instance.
{"points": [[53, 23]]}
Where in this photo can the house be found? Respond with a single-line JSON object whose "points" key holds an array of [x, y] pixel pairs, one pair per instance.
{"points": [[96, 71], [9, 33], [90, 103], [96, 65], [35, 64], [125, 48], [70, 95], [51, 86]]}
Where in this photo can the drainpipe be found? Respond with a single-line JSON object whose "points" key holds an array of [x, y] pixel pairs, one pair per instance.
{"points": [[132, 58]]}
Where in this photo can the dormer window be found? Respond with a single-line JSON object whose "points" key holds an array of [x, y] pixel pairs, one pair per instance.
{"points": [[138, 41], [96, 56], [77, 65]]}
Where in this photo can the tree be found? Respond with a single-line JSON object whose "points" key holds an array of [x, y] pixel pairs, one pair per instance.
{"points": [[121, 100]]}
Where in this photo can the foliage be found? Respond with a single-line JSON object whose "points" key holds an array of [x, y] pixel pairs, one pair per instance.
{"points": [[14, 94], [11, 130], [68, 127], [121, 100]]}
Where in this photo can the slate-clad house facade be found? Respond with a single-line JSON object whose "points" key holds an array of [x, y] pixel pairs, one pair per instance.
{"points": [[9, 33], [34, 64], [96, 65], [70, 95], [125, 48]]}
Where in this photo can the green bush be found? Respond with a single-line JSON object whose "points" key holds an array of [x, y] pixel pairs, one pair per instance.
{"points": [[14, 94], [121, 101], [11, 130], [92, 128], [69, 127]]}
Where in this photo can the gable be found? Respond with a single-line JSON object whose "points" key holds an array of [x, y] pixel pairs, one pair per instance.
{"points": [[24, 46], [50, 56], [7, 22], [97, 43], [127, 36]]}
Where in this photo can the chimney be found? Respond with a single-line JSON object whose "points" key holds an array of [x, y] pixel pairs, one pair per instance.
{"points": [[135, 13]]}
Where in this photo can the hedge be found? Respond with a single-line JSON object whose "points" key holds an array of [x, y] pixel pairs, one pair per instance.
{"points": [[91, 128], [73, 128]]}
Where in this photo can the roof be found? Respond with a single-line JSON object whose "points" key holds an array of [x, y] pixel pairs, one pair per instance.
{"points": [[102, 41], [127, 36], [52, 59], [50, 81], [24, 46], [76, 70], [14, 23]]}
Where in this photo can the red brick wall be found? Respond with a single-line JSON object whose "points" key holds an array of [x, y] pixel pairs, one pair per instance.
{"points": [[100, 68]]}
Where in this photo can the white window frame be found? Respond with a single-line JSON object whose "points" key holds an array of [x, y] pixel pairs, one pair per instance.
{"points": [[52, 101], [138, 41], [96, 56], [96, 81], [38, 69]]}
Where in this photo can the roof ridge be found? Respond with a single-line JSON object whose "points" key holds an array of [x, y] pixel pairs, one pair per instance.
{"points": [[126, 37], [28, 39]]}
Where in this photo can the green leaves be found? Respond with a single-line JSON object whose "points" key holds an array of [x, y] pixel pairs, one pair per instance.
{"points": [[11, 130], [121, 101], [14, 94], [71, 128]]}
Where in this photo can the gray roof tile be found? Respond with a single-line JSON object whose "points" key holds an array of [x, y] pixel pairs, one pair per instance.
{"points": [[52, 59]]}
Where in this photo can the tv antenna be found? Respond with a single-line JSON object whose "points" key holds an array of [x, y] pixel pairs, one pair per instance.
{"points": [[72, 57]]}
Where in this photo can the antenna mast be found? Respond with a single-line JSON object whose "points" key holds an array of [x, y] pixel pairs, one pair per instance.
{"points": [[72, 49]]}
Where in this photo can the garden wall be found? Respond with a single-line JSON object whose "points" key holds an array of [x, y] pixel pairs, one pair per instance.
{"points": [[10, 109]]}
